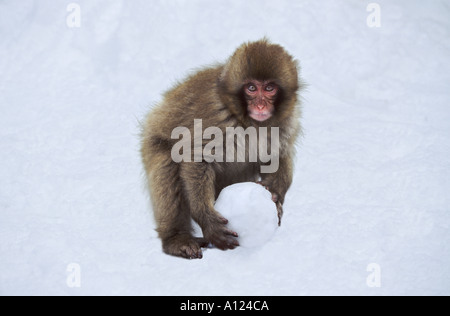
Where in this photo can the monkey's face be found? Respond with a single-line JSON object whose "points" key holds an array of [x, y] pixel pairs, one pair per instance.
{"points": [[260, 97]]}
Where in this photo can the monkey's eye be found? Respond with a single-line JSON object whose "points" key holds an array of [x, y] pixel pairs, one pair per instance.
{"points": [[251, 88], [269, 88]]}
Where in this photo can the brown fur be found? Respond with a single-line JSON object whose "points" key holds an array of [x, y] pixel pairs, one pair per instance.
{"points": [[181, 191]]}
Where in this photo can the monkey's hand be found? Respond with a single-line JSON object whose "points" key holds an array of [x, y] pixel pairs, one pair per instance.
{"points": [[276, 200], [279, 211], [220, 235]]}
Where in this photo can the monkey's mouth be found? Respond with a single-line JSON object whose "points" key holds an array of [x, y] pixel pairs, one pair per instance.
{"points": [[260, 116]]}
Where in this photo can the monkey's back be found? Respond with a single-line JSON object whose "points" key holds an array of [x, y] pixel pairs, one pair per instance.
{"points": [[195, 98]]}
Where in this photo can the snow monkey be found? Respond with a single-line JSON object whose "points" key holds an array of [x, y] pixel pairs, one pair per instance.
{"points": [[256, 89]]}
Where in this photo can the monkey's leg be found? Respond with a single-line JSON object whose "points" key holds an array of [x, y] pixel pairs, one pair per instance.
{"points": [[170, 208], [199, 184], [278, 183]]}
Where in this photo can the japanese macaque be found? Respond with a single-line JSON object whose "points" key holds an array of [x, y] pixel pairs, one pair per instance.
{"points": [[256, 88]]}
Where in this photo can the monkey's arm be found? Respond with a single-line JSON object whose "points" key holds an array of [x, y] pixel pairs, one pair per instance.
{"points": [[198, 180], [279, 182]]}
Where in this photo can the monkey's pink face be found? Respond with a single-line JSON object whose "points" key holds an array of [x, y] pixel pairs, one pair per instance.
{"points": [[260, 97]]}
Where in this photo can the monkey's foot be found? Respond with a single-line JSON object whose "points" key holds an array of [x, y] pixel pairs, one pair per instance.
{"points": [[221, 236], [185, 246]]}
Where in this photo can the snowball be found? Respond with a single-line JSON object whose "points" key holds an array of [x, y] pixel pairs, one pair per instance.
{"points": [[250, 212]]}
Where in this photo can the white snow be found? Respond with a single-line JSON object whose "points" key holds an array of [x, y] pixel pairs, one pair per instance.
{"points": [[250, 211], [372, 175]]}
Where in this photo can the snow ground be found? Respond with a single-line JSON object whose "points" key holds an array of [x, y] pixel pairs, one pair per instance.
{"points": [[372, 177]]}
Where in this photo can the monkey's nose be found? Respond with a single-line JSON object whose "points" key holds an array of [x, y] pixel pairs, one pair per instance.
{"points": [[260, 106]]}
